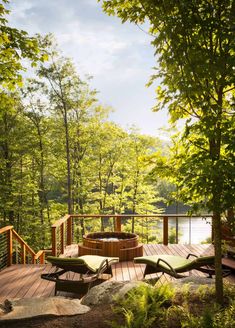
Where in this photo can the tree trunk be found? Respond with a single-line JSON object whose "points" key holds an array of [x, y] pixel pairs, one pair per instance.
{"points": [[69, 189], [134, 201], [218, 258]]}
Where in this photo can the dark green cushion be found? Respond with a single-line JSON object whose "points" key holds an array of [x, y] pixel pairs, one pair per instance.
{"points": [[92, 262], [178, 263]]}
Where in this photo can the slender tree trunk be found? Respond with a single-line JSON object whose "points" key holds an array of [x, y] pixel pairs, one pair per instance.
{"points": [[218, 257], [69, 188], [101, 190], [8, 178], [80, 199], [20, 200], [42, 193], [134, 201]]}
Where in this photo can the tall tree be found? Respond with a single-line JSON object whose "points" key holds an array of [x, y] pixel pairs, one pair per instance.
{"points": [[195, 45], [35, 112], [141, 194], [9, 153], [64, 92]]}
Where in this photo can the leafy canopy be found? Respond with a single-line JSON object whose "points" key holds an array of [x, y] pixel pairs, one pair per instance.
{"points": [[15, 45]]}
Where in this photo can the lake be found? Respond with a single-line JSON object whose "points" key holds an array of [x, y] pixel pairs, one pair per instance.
{"points": [[192, 230]]}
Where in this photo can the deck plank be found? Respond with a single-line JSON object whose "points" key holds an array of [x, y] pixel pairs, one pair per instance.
{"points": [[24, 281], [34, 288]]}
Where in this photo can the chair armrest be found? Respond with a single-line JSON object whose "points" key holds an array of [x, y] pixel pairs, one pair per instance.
{"points": [[174, 273], [190, 254], [103, 266]]}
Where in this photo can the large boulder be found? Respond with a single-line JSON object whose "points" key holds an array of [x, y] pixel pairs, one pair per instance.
{"points": [[107, 292], [34, 307]]}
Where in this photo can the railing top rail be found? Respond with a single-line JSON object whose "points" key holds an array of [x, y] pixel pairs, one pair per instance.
{"points": [[23, 243], [162, 215], [4, 229], [39, 253], [62, 220]]}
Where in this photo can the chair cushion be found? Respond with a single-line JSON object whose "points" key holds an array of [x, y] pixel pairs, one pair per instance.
{"points": [[178, 263], [92, 262]]}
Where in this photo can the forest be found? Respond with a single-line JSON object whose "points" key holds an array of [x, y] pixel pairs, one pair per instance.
{"points": [[60, 153]]}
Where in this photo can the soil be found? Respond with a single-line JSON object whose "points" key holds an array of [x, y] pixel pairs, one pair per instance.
{"points": [[98, 317]]}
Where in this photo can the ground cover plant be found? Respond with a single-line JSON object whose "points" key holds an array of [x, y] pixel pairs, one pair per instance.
{"points": [[169, 307]]}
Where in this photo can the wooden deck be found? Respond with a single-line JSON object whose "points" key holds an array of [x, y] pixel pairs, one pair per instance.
{"points": [[23, 281]]}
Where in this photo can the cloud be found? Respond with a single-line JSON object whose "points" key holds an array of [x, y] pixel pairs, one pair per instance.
{"points": [[119, 56]]}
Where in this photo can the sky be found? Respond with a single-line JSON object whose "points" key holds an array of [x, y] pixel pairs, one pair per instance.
{"points": [[118, 56]]}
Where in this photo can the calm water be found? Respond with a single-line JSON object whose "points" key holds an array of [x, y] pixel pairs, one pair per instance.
{"points": [[192, 231]]}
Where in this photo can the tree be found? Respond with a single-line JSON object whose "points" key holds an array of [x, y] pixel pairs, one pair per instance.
{"points": [[10, 154], [107, 147], [19, 204], [141, 195], [15, 45], [34, 111], [195, 45], [64, 92]]}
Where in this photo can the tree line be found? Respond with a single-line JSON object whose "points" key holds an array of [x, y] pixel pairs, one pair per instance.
{"points": [[60, 153]]}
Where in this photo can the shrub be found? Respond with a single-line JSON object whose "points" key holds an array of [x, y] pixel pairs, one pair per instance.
{"points": [[143, 306], [166, 307]]}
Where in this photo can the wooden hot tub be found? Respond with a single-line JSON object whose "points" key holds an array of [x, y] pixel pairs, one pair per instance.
{"points": [[121, 244]]}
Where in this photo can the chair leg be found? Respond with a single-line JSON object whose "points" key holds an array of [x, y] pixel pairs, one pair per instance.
{"points": [[55, 289]]}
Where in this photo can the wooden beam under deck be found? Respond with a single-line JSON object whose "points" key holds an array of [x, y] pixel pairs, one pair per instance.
{"points": [[23, 281]]}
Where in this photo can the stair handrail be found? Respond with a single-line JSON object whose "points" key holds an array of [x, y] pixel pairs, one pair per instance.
{"points": [[12, 235]]}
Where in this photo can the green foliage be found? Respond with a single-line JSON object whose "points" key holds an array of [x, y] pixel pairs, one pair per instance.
{"points": [[225, 318], [15, 45], [146, 228], [195, 46], [185, 307], [143, 306], [49, 125]]}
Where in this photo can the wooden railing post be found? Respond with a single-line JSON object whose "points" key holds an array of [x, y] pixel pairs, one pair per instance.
{"points": [[54, 241], [10, 247], [42, 258], [62, 238], [39, 256], [69, 230], [23, 254], [165, 230], [118, 224]]}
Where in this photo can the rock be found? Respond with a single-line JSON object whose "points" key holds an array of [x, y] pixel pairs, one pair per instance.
{"points": [[106, 292], [194, 282], [33, 307]]}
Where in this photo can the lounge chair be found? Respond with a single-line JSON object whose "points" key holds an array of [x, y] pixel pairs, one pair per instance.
{"points": [[176, 265], [89, 267], [228, 237]]}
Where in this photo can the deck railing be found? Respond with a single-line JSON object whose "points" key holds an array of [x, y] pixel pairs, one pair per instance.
{"points": [[14, 250], [70, 228]]}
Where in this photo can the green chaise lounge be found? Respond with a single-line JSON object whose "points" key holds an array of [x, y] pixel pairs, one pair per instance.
{"points": [[89, 267], [176, 265]]}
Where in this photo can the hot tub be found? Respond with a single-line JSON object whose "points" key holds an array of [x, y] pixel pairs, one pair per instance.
{"points": [[118, 244]]}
